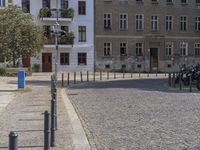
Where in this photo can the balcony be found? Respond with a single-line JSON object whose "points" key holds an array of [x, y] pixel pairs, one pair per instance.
{"points": [[65, 41], [47, 14]]}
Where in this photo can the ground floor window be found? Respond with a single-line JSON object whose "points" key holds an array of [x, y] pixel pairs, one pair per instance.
{"points": [[197, 49], [184, 48], [107, 49], [168, 48], [123, 49], [64, 58], [82, 58], [139, 49]]}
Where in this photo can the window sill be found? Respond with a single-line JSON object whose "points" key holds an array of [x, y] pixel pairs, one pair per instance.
{"points": [[82, 64], [170, 3], [184, 4], [64, 64]]}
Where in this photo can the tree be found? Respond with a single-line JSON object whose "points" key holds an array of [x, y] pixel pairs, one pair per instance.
{"points": [[19, 35]]}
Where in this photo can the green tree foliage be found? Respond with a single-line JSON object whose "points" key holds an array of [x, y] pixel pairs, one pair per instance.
{"points": [[19, 35]]}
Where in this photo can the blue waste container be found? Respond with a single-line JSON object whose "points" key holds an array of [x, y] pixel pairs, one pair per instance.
{"points": [[21, 79]]}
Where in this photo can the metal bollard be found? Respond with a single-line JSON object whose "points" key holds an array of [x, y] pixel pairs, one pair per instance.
{"points": [[74, 77], [53, 128], [173, 79], [123, 74], [131, 74], [190, 83], [107, 75], [87, 76], [148, 74], [68, 78], [62, 79], [114, 75], [46, 130], [13, 142], [94, 78], [180, 83], [100, 75], [169, 79], [139, 73], [81, 74]]}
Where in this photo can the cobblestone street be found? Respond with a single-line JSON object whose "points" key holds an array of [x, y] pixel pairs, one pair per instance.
{"points": [[138, 115]]}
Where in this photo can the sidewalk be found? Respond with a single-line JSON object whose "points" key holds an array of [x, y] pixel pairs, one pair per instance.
{"points": [[23, 113]]}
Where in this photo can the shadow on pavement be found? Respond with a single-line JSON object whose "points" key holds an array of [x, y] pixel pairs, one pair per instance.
{"points": [[141, 84]]}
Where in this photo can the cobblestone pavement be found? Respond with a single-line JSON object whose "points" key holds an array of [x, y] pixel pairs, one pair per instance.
{"points": [[142, 114], [24, 115]]}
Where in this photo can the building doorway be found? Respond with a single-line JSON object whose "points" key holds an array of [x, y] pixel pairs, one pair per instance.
{"points": [[153, 59], [26, 61], [46, 62]]}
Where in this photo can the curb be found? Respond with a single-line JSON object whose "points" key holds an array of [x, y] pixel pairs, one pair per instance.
{"points": [[79, 137]]}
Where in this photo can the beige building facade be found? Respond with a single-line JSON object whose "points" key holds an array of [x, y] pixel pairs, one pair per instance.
{"points": [[147, 35]]}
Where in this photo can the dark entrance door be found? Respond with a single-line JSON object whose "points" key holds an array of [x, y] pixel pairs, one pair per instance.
{"points": [[26, 61], [153, 59], [46, 62]]}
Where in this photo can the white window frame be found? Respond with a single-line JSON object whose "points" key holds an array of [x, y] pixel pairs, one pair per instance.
{"points": [[106, 19], [154, 23], [169, 23], [183, 48], [124, 21], [107, 46], [126, 46], [197, 23], [169, 46], [139, 48], [184, 23], [139, 22], [197, 49], [1, 3]]}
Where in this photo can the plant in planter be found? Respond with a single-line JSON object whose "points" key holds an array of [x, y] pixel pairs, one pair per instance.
{"points": [[68, 38], [67, 13], [36, 67], [45, 12]]}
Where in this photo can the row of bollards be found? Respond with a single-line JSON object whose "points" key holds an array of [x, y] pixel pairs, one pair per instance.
{"points": [[172, 81], [108, 74], [50, 121]]}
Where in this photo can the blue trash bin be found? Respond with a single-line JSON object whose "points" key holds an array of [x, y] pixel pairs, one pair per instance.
{"points": [[21, 79]]}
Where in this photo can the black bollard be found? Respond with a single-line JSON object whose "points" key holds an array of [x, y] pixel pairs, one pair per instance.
{"points": [[114, 75], [139, 73], [94, 76], [62, 79], [87, 76], [100, 75], [131, 74], [107, 75], [13, 142], [180, 83], [123, 74], [74, 77], [169, 79], [46, 130], [53, 120], [81, 74], [68, 78], [190, 83], [148, 74], [173, 80]]}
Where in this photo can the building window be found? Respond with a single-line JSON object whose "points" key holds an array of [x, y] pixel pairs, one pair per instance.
{"points": [[184, 48], [168, 48], [2, 3], [64, 4], [197, 23], [183, 23], [139, 22], [64, 58], [154, 1], [82, 33], [123, 49], [169, 1], [139, 49], [46, 3], [123, 20], [139, 1], [65, 28], [197, 49], [154, 23], [82, 58], [82, 8], [107, 49], [107, 21], [197, 2], [26, 6], [184, 2], [169, 23]]}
